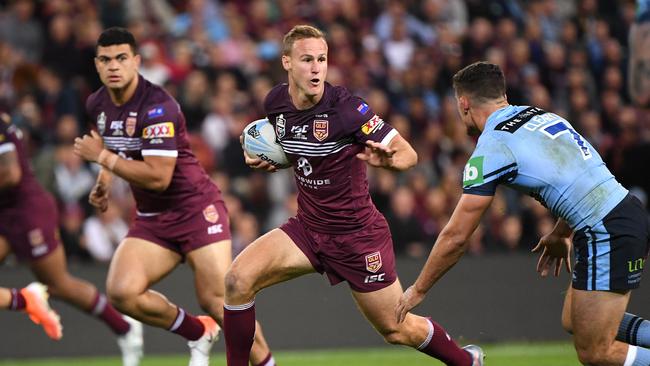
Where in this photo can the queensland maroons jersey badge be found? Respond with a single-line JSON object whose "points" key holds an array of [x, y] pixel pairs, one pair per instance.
{"points": [[373, 262], [280, 126], [101, 123], [321, 129], [210, 214], [130, 125]]}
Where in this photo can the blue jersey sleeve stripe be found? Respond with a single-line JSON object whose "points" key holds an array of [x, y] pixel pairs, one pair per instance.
{"points": [[486, 189], [502, 169]]}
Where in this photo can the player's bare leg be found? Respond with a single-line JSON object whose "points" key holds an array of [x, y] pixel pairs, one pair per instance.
{"points": [[270, 259], [595, 316], [209, 264], [138, 264], [416, 331]]}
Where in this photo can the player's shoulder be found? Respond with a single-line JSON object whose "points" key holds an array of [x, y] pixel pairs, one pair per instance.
{"points": [[96, 98], [277, 98], [157, 102]]}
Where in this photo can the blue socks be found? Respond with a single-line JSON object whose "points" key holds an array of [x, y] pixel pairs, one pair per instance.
{"points": [[635, 331]]}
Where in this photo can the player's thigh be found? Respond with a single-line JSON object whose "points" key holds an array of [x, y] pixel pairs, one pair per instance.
{"points": [[595, 316], [272, 258], [566, 311], [210, 264], [51, 269], [137, 264]]}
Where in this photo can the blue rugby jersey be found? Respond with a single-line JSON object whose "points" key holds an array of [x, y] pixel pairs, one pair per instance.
{"points": [[540, 154]]}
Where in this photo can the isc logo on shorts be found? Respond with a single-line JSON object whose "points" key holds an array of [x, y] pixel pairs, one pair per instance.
{"points": [[215, 229], [374, 278]]}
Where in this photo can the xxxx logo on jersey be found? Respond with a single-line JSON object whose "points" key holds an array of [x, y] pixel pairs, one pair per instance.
{"points": [[163, 129]]}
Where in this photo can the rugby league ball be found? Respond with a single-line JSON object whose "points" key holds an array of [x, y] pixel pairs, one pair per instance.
{"points": [[259, 141]]}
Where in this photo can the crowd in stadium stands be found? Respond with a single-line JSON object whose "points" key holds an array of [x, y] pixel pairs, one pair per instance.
{"points": [[220, 58]]}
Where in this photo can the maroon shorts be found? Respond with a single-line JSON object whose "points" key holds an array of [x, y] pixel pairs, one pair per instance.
{"points": [[184, 230], [364, 259], [32, 228]]}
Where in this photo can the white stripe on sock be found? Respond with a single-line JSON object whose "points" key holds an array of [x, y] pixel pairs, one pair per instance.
{"points": [[179, 319], [631, 356], [100, 306], [270, 362], [429, 336], [239, 307]]}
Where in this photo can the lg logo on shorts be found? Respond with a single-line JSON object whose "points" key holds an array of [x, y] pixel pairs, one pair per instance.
{"points": [[215, 229], [374, 278]]}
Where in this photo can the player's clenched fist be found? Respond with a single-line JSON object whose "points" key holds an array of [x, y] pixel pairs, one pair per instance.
{"points": [[99, 197], [89, 146]]}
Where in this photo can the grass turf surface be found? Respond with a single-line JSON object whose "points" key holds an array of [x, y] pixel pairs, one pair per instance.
{"points": [[529, 354]]}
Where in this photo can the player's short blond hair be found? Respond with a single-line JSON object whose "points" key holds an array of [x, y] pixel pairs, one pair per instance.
{"points": [[299, 32]]}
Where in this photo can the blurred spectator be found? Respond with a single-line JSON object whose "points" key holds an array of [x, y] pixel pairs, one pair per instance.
{"points": [[219, 58], [102, 232]]}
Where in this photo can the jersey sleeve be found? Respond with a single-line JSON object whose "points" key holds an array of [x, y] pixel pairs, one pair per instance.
{"points": [[364, 124], [491, 163], [160, 129]]}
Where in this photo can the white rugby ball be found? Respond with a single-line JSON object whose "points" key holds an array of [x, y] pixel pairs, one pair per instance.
{"points": [[259, 141]]}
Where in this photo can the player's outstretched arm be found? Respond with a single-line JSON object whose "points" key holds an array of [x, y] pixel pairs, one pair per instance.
{"points": [[555, 246], [398, 155], [447, 250], [154, 173]]}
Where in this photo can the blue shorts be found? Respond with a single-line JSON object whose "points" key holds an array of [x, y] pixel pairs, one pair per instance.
{"points": [[610, 256]]}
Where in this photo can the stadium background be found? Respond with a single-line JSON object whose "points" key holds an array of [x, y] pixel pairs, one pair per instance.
{"points": [[220, 58]]}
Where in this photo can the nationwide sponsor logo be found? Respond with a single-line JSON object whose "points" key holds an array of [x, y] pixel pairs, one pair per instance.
{"points": [[473, 173], [101, 123], [280, 125], [373, 262], [362, 108], [373, 124], [210, 214], [321, 129], [117, 127], [158, 130], [155, 112], [130, 125]]}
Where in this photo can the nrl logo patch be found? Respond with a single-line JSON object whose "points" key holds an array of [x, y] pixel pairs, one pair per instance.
{"points": [[321, 129], [280, 124], [253, 132], [101, 123], [210, 214], [373, 262]]}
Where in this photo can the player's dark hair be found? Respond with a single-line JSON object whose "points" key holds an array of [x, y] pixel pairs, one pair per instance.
{"points": [[481, 82], [116, 36], [299, 32]]}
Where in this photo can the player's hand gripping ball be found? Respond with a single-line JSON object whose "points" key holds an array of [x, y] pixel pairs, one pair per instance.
{"points": [[259, 141]]}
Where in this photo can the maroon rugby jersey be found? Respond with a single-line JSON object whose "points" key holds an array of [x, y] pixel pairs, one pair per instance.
{"points": [[151, 123], [28, 187], [322, 142]]}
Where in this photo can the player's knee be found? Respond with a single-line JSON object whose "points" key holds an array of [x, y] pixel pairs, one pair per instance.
{"points": [[237, 285], [123, 298], [591, 355], [211, 303], [393, 336]]}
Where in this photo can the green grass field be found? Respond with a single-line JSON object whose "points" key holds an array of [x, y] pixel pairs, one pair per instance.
{"points": [[528, 354]]}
